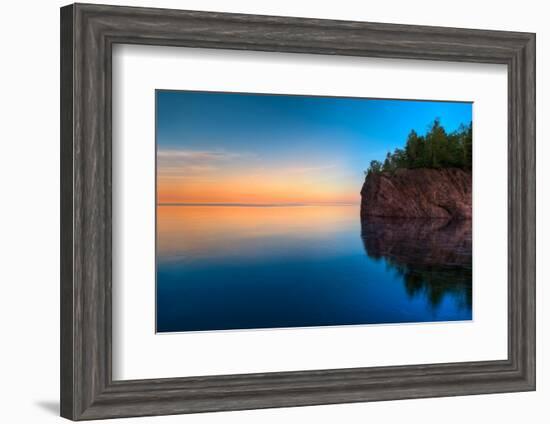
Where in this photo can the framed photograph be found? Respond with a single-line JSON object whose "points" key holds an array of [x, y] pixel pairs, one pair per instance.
{"points": [[290, 231], [264, 211]]}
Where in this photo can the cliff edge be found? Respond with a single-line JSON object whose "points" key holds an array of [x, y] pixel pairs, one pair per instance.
{"points": [[418, 193]]}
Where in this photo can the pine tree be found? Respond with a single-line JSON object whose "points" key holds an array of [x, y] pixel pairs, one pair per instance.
{"points": [[436, 149]]}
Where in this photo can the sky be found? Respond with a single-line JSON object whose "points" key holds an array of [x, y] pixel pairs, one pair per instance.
{"points": [[281, 149]]}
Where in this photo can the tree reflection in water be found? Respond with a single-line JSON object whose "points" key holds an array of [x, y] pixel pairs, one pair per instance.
{"points": [[433, 256]]}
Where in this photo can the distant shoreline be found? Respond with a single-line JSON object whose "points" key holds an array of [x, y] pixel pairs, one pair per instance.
{"points": [[259, 205]]}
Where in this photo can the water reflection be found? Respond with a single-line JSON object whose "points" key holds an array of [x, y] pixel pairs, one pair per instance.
{"points": [[433, 256], [228, 267], [239, 232]]}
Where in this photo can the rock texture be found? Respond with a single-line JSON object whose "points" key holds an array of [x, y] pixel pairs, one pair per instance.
{"points": [[418, 193]]}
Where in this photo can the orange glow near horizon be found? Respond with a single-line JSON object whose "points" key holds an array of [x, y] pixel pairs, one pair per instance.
{"points": [[254, 187]]}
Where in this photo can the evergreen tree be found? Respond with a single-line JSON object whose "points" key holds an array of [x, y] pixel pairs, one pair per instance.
{"points": [[375, 166], [413, 149], [436, 149]]}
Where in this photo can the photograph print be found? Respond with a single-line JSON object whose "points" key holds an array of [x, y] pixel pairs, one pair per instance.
{"points": [[287, 211]]}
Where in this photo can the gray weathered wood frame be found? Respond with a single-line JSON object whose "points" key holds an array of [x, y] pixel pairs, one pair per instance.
{"points": [[88, 33]]}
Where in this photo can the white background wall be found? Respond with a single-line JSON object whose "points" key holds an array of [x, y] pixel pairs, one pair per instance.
{"points": [[29, 224]]}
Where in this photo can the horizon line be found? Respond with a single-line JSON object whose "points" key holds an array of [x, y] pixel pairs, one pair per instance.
{"points": [[237, 204]]}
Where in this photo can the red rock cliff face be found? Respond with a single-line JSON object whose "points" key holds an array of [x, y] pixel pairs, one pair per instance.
{"points": [[418, 193]]}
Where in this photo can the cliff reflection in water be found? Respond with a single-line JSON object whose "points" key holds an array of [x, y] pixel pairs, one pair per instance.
{"points": [[433, 256]]}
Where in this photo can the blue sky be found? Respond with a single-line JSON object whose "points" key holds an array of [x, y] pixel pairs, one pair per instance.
{"points": [[202, 136]]}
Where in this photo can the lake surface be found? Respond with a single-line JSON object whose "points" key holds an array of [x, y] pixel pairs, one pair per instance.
{"points": [[242, 267]]}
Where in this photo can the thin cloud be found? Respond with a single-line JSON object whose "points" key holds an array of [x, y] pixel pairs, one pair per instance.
{"points": [[198, 155], [309, 169], [181, 162]]}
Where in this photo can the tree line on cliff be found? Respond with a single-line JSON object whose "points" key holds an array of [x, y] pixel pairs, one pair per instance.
{"points": [[435, 149]]}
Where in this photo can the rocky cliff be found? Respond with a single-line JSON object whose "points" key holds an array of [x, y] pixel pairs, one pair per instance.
{"points": [[418, 193]]}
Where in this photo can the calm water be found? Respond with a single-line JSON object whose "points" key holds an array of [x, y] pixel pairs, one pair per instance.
{"points": [[233, 267]]}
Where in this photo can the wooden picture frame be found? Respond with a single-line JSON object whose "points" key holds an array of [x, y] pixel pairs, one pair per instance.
{"points": [[88, 33]]}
